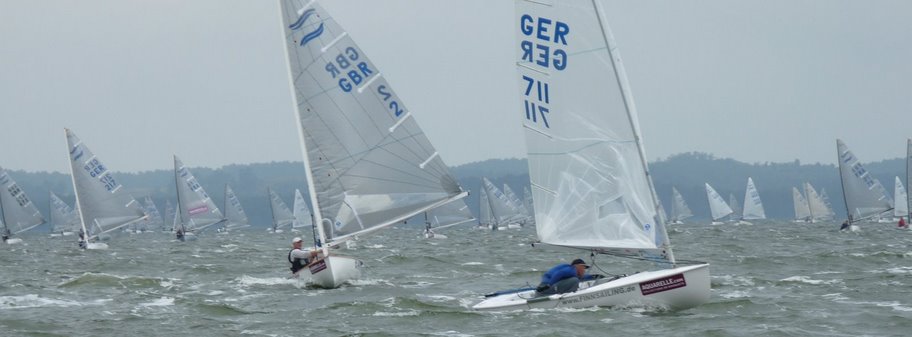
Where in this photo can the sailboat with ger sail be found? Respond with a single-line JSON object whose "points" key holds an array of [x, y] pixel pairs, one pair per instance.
{"points": [[235, 216], [196, 209], [590, 182], [865, 197], [102, 203], [63, 218], [367, 162]]}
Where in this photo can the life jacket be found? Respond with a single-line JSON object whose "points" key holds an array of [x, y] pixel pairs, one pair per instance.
{"points": [[296, 264]]}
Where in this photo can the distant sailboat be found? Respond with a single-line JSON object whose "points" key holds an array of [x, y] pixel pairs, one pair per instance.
{"points": [[736, 208], [368, 165], [753, 206], [717, 206], [679, 209], [235, 217], [900, 200], [64, 219], [102, 203], [864, 196], [802, 209], [281, 216], [817, 206], [445, 216], [522, 214], [196, 209], [591, 184], [154, 219], [527, 201], [303, 217], [485, 213], [503, 212], [19, 213]]}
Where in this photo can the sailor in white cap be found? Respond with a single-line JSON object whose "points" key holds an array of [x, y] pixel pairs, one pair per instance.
{"points": [[299, 258]]}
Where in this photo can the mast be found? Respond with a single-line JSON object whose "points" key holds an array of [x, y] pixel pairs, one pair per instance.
{"points": [[318, 218], [85, 232], [177, 189], [909, 180], [842, 180], [628, 103], [808, 198]]}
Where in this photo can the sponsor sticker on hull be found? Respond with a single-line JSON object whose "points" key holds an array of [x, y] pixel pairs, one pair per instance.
{"points": [[662, 284], [317, 267]]}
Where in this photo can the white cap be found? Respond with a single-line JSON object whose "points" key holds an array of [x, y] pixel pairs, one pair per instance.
{"points": [[296, 240]]}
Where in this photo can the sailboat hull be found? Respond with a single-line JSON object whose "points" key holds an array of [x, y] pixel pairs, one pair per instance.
{"points": [[334, 270], [676, 289]]}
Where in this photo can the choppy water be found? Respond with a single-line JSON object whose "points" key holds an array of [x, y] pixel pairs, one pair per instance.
{"points": [[767, 279]]}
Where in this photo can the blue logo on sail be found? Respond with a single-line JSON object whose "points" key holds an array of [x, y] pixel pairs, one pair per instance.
{"points": [[75, 153], [300, 23]]}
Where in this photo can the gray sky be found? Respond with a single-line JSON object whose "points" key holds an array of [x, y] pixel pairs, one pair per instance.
{"points": [[139, 80]]}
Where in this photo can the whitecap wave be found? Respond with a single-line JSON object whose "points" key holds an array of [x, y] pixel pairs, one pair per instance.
{"points": [[161, 302], [369, 282], [808, 280], [397, 314], [35, 301], [473, 264], [247, 280]]}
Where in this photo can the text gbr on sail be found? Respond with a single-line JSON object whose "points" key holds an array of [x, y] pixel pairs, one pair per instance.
{"points": [[352, 71]]}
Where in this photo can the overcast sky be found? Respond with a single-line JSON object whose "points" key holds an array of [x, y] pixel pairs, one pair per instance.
{"points": [[140, 80]]}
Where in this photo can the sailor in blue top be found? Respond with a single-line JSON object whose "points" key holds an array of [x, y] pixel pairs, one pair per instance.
{"points": [[564, 278]]}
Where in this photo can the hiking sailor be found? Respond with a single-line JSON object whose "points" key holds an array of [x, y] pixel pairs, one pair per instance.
{"points": [[564, 278], [299, 258]]}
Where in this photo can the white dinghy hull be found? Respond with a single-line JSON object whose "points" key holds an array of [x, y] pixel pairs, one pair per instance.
{"points": [[332, 271], [676, 289]]}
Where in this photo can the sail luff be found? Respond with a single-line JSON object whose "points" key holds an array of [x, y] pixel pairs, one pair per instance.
{"points": [[909, 179]]}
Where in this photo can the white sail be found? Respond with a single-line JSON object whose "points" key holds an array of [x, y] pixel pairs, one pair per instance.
{"points": [[234, 213], [679, 209], [19, 213], [63, 218], [281, 216], [502, 208], [370, 163], [450, 214], [102, 203], [900, 200], [485, 214], [169, 214], [864, 196], [753, 206], [196, 209], [802, 209], [817, 207], [590, 182], [831, 214], [521, 212], [717, 206], [302, 215], [527, 201], [736, 208], [154, 219]]}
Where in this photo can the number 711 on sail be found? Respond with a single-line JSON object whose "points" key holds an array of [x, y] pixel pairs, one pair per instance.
{"points": [[537, 100]]}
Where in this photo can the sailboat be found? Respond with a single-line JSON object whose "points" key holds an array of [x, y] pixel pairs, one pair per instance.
{"points": [[504, 214], [303, 217], [64, 220], [522, 214], [865, 197], [102, 203], [900, 200], [281, 216], [368, 165], [485, 213], [235, 217], [735, 216], [153, 220], [817, 206], [679, 209], [717, 206], [753, 206], [802, 210], [590, 182], [197, 211], [448, 215], [19, 213]]}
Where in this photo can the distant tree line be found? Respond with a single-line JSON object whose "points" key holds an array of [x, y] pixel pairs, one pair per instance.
{"points": [[687, 172]]}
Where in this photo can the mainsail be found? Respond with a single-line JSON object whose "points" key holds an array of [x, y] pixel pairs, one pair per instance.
{"points": [[527, 201], [19, 213], [196, 209], [679, 209], [234, 212], [154, 219], [102, 203], [302, 215], [63, 218], [590, 184], [753, 207], [522, 214], [281, 216], [450, 214], [900, 199], [501, 207], [717, 206], [817, 207], [802, 209], [485, 214], [909, 178], [864, 196], [367, 162]]}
